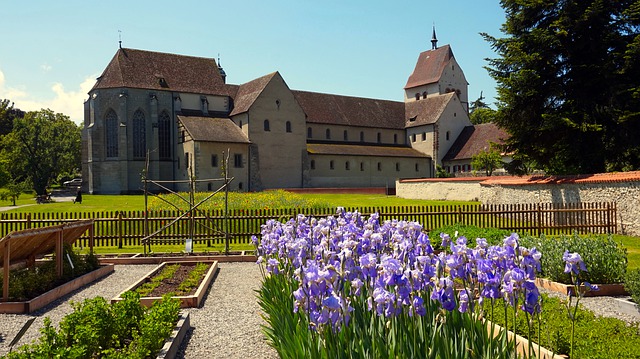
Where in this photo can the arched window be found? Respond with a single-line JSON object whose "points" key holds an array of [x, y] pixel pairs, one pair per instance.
{"points": [[417, 96], [424, 136], [139, 135], [361, 136], [379, 166], [417, 170], [347, 166], [331, 164], [345, 135], [424, 95], [328, 134], [447, 135], [397, 166], [288, 126], [266, 125], [111, 133], [361, 166], [164, 136], [379, 137], [309, 132], [313, 164], [395, 138]]}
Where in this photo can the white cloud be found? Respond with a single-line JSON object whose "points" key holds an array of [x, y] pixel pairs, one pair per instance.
{"points": [[69, 103], [45, 67]]}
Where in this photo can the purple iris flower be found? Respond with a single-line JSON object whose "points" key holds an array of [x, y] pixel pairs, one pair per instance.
{"points": [[573, 263]]}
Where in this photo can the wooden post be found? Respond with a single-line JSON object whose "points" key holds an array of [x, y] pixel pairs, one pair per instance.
{"points": [[120, 230], [539, 214], [91, 237], [59, 253], [7, 259]]}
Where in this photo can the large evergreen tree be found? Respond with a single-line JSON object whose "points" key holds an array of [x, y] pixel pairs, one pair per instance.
{"points": [[569, 83]]}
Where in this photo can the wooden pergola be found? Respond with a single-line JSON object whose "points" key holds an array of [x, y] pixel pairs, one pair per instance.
{"points": [[27, 245]]}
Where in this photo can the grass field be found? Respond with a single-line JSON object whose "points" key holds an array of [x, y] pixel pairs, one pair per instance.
{"points": [[106, 203]]}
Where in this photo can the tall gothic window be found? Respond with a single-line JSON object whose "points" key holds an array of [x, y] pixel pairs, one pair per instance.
{"points": [[164, 136], [139, 135], [111, 133]]}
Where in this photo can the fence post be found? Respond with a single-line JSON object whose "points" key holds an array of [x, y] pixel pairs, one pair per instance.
{"points": [[28, 220], [120, 230], [539, 215]]}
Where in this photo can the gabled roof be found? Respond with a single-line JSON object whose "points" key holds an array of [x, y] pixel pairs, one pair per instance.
{"points": [[475, 139], [429, 67], [248, 93], [350, 111], [426, 111], [360, 150], [211, 129], [132, 68]]}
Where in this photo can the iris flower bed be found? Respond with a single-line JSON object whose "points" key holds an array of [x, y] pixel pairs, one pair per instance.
{"points": [[349, 286]]}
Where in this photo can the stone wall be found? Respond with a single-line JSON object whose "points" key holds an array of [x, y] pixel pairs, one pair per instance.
{"points": [[620, 188]]}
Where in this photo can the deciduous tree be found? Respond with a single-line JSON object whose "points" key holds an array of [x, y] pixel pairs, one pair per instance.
{"points": [[41, 145]]}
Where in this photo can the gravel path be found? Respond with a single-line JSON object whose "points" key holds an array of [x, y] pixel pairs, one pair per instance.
{"points": [[228, 323], [226, 326]]}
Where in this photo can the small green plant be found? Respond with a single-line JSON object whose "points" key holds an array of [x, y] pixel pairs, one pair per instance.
{"points": [[492, 235], [194, 278], [605, 258], [148, 287], [97, 329], [632, 284]]}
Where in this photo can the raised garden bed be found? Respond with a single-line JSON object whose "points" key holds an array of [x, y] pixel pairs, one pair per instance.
{"points": [[605, 290], [157, 258], [60, 291], [193, 300]]}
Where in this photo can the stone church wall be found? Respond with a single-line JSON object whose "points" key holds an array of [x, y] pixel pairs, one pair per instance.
{"points": [[626, 195]]}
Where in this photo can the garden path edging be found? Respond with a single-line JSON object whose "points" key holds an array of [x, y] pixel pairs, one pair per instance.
{"points": [[172, 344], [605, 290]]}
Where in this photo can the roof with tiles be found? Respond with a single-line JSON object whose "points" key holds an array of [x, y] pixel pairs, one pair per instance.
{"points": [[359, 150], [132, 68], [248, 93], [350, 111], [475, 139], [614, 177], [429, 67], [426, 111], [211, 129]]}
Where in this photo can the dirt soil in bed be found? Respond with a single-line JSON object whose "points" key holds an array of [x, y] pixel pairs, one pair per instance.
{"points": [[170, 285]]}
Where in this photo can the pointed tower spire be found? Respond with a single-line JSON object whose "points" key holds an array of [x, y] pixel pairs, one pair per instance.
{"points": [[222, 73], [434, 39]]}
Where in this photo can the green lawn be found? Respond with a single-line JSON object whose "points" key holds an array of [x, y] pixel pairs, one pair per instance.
{"points": [[110, 203]]}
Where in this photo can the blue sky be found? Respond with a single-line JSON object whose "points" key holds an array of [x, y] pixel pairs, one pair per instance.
{"points": [[52, 51]]}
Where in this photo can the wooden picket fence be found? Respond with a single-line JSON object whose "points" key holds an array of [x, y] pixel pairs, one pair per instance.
{"points": [[128, 228]]}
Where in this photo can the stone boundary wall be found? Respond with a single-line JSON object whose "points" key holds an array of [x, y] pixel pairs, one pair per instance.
{"points": [[620, 188]]}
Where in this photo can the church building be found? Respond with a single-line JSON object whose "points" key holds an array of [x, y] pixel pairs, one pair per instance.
{"points": [[178, 113]]}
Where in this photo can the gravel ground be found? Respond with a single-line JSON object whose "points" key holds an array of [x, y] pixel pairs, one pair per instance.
{"points": [[228, 323], [226, 326]]}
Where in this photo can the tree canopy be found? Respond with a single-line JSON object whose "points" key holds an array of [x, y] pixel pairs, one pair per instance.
{"points": [[568, 80], [41, 146]]}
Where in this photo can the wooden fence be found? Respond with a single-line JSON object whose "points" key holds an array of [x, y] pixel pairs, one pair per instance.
{"points": [[128, 228]]}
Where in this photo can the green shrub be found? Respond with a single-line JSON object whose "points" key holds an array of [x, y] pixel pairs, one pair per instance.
{"points": [[97, 329], [492, 235], [605, 259], [632, 284]]}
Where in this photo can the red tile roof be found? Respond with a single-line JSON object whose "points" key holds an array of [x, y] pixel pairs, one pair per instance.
{"points": [[350, 111], [132, 68], [426, 111], [359, 150], [209, 129], [475, 139], [429, 67], [614, 177], [247, 93]]}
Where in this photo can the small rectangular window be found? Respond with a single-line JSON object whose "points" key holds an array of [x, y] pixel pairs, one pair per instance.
{"points": [[237, 160], [214, 160], [186, 160]]}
